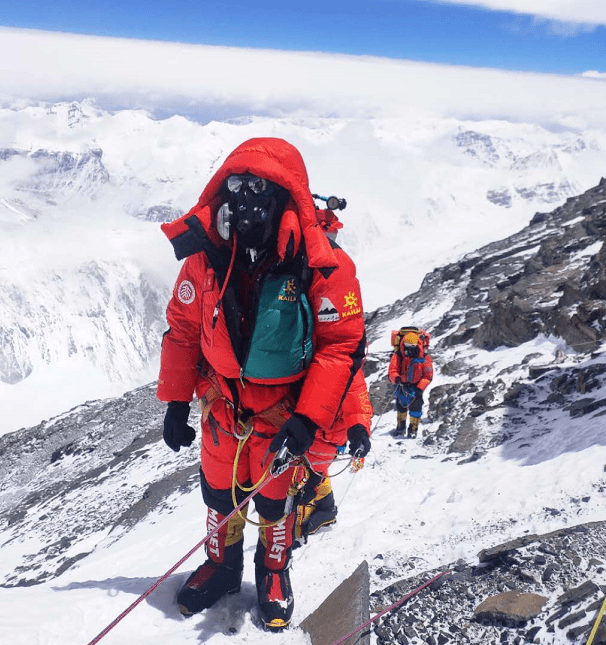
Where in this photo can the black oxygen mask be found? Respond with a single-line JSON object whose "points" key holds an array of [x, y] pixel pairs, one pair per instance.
{"points": [[252, 210], [412, 351]]}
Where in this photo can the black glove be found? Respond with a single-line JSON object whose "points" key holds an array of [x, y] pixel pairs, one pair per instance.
{"points": [[398, 380], [418, 392], [299, 433], [359, 443], [409, 389], [176, 431]]}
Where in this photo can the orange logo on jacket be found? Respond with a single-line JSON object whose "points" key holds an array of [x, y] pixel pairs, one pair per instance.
{"points": [[351, 305], [290, 292]]}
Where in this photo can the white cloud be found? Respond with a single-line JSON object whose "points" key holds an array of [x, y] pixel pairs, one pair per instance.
{"points": [[592, 12], [217, 82], [564, 29], [593, 74]]}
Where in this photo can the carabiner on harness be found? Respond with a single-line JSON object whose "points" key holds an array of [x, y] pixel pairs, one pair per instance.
{"points": [[281, 461]]}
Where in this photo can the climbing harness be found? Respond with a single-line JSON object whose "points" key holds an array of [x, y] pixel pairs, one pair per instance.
{"points": [[404, 395]]}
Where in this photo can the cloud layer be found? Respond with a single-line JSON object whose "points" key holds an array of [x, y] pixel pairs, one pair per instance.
{"points": [[208, 83]]}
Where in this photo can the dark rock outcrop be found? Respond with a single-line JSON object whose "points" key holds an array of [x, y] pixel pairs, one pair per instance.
{"points": [[539, 589]]}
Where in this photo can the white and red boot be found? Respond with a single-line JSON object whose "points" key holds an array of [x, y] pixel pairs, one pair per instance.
{"points": [[272, 563]]}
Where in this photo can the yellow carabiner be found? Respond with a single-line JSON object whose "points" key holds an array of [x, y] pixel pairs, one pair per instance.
{"points": [[357, 463]]}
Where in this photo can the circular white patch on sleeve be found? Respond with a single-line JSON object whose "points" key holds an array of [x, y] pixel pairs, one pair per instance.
{"points": [[186, 292]]}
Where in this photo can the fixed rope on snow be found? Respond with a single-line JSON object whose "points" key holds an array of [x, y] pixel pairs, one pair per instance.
{"points": [[397, 604], [275, 473], [597, 623], [281, 462]]}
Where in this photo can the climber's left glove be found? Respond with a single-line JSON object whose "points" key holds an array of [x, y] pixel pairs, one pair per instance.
{"points": [[177, 432], [359, 443]]}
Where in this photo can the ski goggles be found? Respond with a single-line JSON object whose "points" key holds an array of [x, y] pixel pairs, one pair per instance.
{"points": [[257, 185]]}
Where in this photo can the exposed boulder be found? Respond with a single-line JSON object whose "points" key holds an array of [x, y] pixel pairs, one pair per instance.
{"points": [[510, 608]]}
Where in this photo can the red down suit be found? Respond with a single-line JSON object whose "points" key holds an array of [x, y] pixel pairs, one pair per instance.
{"points": [[205, 348], [418, 371]]}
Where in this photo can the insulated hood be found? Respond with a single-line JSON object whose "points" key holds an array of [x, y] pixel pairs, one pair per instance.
{"points": [[278, 161]]}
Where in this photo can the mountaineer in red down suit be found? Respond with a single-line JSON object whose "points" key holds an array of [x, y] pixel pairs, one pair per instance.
{"points": [[411, 370], [266, 328]]}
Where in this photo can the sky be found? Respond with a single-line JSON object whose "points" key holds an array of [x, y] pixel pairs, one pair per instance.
{"points": [[549, 36]]}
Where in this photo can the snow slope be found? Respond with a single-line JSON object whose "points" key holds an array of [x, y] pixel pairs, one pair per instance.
{"points": [[96, 508], [409, 509]]}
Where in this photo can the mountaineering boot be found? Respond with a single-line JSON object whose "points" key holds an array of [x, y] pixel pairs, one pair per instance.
{"points": [[272, 562], [276, 601], [320, 511], [221, 574], [324, 514], [206, 585], [413, 427], [400, 430]]}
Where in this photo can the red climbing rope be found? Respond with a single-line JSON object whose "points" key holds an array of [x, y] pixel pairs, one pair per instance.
{"points": [[414, 592], [156, 584]]}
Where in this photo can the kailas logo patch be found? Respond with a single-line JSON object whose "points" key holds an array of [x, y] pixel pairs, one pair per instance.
{"points": [[328, 312], [351, 305], [186, 292], [289, 291]]}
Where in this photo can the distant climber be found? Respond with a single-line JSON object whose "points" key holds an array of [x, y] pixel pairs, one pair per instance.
{"points": [[411, 371]]}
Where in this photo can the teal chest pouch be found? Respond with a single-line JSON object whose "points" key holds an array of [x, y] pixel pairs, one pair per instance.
{"points": [[281, 344]]}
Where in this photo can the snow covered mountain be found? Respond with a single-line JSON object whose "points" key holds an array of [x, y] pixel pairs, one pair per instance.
{"points": [[504, 487], [86, 273]]}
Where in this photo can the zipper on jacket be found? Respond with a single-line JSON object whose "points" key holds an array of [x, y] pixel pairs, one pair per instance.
{"points": [[252, 322], [305, 327]]}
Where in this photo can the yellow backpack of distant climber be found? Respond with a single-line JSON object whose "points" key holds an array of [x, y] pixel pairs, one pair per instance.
{"points": [[398, 334]]}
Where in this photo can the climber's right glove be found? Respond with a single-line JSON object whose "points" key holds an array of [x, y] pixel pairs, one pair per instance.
{"points": [[298, 432], [176, 431]]}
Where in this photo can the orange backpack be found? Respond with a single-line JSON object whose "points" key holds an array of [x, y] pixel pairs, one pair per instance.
{"points": [[398, 334]]}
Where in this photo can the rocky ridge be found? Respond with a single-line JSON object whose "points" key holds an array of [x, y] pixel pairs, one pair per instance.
{"points": [[94, 471], [535, 589], [547, 281]]}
